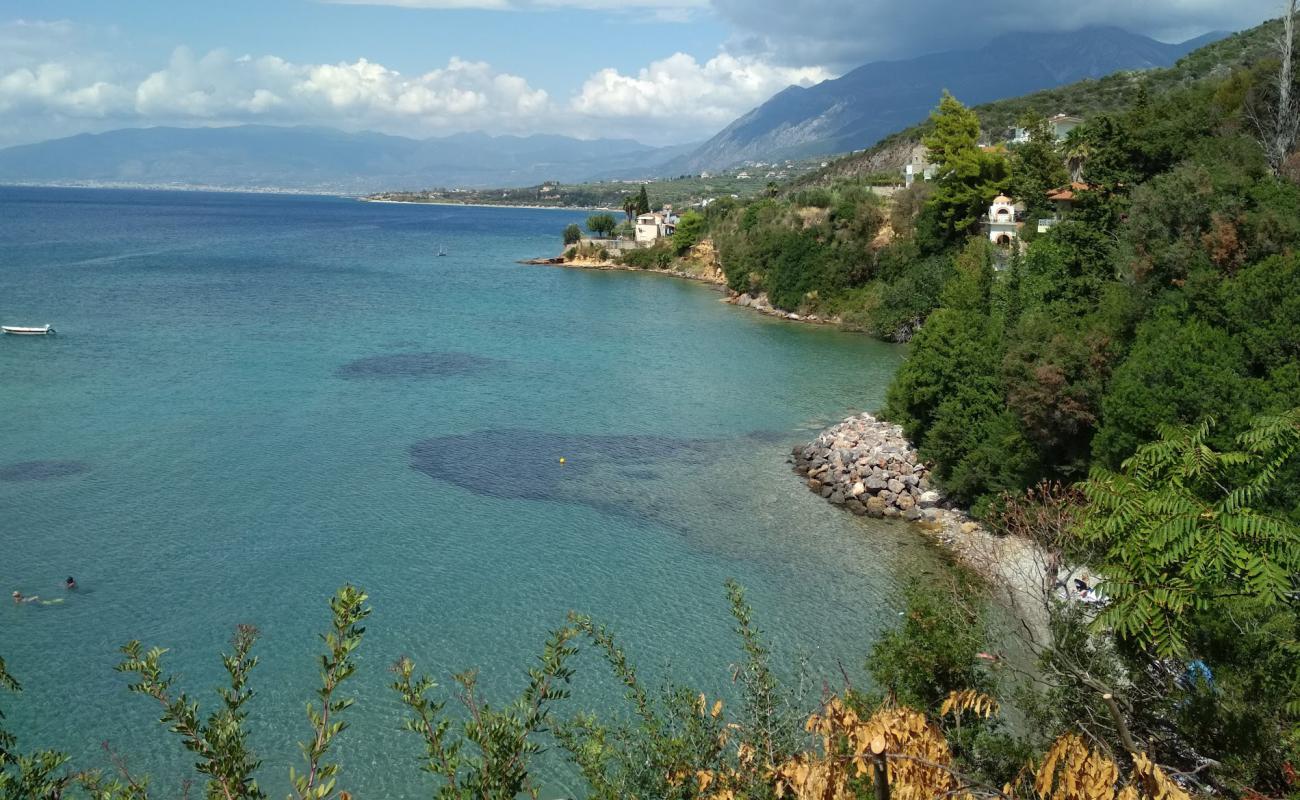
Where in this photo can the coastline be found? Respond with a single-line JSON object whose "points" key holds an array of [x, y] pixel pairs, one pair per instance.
{"points": [[714, 277], [869, 467], [481, 205]]}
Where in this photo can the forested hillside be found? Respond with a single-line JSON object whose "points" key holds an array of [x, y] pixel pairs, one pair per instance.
{"points": [[1085, 98]]}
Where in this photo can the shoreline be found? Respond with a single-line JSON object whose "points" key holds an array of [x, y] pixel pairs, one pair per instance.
{"points": [[481, 205], [869, 467], [758, 303]]}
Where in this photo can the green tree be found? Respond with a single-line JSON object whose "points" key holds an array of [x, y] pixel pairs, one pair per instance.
{"points": [[690, 230], [1178, 372], [933, 650], [968, 177], [572, 234], [1183, 525], [220, 741], [602, 225], [1037, 167], [642, 201]]}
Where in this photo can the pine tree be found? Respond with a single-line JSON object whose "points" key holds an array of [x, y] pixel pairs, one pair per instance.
{"points": [[968, 177]]}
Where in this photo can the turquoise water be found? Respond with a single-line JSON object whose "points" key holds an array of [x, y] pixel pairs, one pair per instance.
{"points": [[253, 399]]}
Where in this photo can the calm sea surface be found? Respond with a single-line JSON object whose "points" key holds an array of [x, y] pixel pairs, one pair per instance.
{"points": [[253, 399]]}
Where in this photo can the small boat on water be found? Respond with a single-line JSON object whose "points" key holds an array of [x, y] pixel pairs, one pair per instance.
{"points": [[442, 251], [19, 330]]}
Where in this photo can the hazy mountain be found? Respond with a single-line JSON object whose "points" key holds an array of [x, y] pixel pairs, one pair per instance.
{"points": [[856, 110], [320, 159]]}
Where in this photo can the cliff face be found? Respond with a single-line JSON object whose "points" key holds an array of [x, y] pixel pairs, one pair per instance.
{"points": [[858, 109]]}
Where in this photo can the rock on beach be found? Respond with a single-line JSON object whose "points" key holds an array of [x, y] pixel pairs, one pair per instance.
{"points": [[868, 466]]}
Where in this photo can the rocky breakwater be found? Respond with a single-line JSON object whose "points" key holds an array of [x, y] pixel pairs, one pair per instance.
{"points": [[869, 467]]}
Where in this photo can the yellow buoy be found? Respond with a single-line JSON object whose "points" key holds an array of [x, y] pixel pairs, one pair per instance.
{"points": [[561, 460]]}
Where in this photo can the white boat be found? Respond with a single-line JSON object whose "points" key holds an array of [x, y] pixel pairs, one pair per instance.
{"points": [[442, 251], [19, 330]]}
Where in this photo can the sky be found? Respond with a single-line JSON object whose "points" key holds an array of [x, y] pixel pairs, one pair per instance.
{"points": [[660, 71]]}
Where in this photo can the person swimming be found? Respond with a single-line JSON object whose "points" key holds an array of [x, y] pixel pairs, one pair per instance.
{"points": [[20, 598], [70, 584]]}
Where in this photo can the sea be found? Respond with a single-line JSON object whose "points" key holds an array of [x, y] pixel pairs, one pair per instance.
{"points": [[254, 399]]}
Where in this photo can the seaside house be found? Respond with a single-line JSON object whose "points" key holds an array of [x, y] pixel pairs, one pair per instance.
{"points": [[656, 225], [1061, 125], [1001, 224]]}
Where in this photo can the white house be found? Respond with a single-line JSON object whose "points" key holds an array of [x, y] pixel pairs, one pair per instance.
{"points": [[918, 166], [656, 225], [1001, 224], [1061, 125]]}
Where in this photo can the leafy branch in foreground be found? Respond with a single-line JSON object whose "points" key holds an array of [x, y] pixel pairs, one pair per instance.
{"points": [[1180, 527], [220, 741], [27, 776], [675, 739], [505, 738], [349, 610]]}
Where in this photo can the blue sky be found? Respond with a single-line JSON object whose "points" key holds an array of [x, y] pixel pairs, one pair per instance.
{"points": [[663, 71]]}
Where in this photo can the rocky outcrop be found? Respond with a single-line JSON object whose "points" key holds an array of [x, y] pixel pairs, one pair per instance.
{"points": [[761, 304], [869, 467]]}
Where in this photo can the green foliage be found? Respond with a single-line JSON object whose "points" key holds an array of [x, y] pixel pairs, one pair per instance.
{"points": [[1178, 372], [968, 178], [220, 741], [24, 776], [602, 225], [572, 234], [1037, 167], [348, 609], [933, 651], [642, 202], [659, 256], [955, 349], [691, 228], [490, 753], [677, 734], [1180, 527]]}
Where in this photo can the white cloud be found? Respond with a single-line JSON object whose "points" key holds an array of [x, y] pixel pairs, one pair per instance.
{"points": [[684, 93], [218, 88], [60, 85]]}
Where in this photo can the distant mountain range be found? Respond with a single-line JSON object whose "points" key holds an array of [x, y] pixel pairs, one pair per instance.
{"points": [[858, 109], [836, 116], [322, 159]]}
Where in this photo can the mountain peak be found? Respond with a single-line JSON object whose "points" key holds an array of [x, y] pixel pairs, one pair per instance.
{"points": [[866, 104]]}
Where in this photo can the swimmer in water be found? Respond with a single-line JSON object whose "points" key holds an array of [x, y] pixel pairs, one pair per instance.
{"points": [[20, 598], [70, 584]]}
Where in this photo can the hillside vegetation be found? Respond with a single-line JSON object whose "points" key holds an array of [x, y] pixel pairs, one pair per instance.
{"points": [[1084, 98], [1123, 388]]}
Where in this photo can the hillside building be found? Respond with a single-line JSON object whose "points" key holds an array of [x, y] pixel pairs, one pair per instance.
{"points": [[918, 166], [1061, 125], [656, 225], [1001, 224]]}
